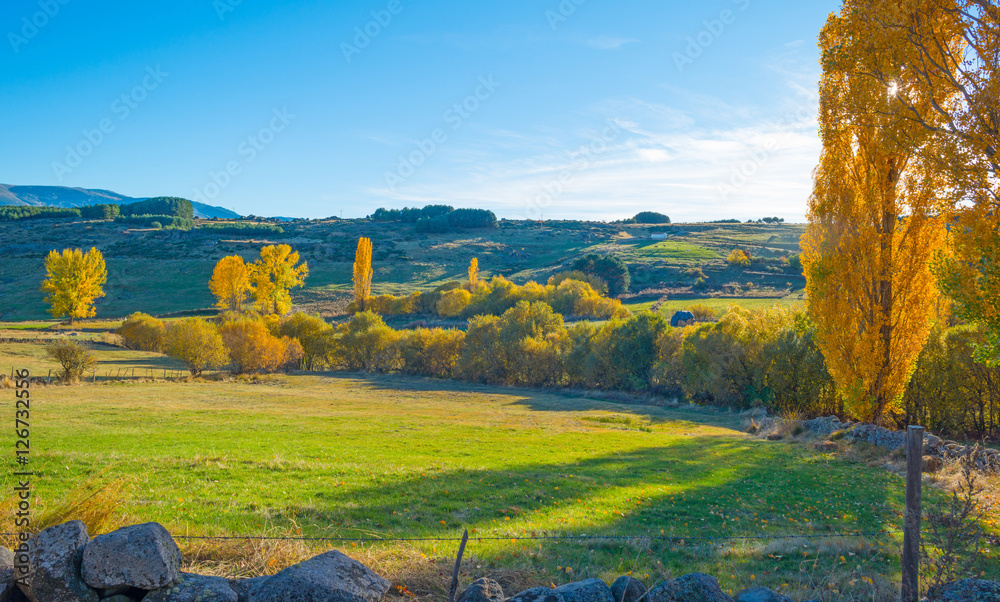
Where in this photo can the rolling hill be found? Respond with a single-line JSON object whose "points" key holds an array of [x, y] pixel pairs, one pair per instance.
{"points": [[62, 196]]}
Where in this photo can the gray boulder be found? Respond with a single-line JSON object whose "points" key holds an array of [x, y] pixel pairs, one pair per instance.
{"points": [[194, 588], [118, 598], [627, 589], [242, 587], [760, 594], [969, 590], [330, 577], [696, 586], [7, 586], [588, 590], [143, 556], [482, 590], [538, 594], [54, 565]]}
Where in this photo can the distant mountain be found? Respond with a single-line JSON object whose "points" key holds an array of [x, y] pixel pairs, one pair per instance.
{"points": [[61, 196]]}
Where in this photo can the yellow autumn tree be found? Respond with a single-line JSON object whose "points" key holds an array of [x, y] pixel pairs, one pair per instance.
{"points": [[74, 282], [963, 43], [473, 273], [230, 283], [873, 217], [363, 273], [273, 276]]}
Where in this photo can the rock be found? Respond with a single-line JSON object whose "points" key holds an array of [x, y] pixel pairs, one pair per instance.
{"points": [[118, 598], [696, 586], [194, 588], [54, 565], [760, 594], [482, 590], [538, 594], [329, 577], [969, 590], [627, 589], [932, 464], [242, 587], [775, 437], [143, 556], [588, 590], [826, 446]]}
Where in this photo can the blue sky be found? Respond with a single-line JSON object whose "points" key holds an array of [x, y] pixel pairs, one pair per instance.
{"points": [[564, 109]]}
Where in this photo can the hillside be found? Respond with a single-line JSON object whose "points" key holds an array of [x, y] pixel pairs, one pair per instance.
{"points": [[61, 196], [143, 263]]}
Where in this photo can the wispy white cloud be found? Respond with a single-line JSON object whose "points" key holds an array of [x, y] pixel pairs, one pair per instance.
{"points": [[635, 155], [605, 42]]}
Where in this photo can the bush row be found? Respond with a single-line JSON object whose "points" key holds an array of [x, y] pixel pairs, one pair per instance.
{"points": [[241, 228], [749, 358], [569, 293], [157, 221]]}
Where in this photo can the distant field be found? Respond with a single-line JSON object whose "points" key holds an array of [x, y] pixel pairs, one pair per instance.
{"points": [[677, 250], [163, 272], [719, 304]]}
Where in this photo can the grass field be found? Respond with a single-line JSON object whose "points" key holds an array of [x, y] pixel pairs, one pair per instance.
{"points": [[717, 303], [348, 456]]}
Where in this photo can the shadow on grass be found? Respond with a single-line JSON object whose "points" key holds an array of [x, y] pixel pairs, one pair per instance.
{"points": [[693, 489], [544, 400]]}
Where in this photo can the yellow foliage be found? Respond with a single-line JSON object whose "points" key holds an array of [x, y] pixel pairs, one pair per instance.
{"points": [[873, 224], [739, 258], [252, 348], [143, 332], [473, 272], [74, 281], [453, 302], [273, 276], [363, 273], [195, 342], [230, 283]]}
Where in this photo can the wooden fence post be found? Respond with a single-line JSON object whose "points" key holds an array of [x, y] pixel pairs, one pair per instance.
{"points": [[911, 525], [458, 567]]}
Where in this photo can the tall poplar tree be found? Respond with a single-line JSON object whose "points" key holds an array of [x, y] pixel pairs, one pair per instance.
{"points": [[363, 273], [874, 220]]}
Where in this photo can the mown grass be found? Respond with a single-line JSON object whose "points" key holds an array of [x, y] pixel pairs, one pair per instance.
{"points": [[392, 457]]}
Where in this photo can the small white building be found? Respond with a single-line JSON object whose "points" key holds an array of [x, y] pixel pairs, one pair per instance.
{"points": [[659, 236]]}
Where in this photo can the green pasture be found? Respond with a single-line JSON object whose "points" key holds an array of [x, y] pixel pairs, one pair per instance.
{"points": [[330, 455]]}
